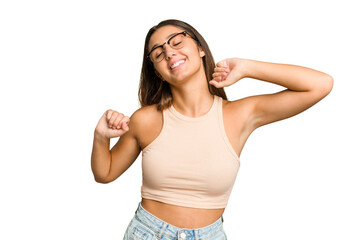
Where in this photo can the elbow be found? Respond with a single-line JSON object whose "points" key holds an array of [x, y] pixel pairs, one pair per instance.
{"points": [[101, 180], [325, 87], [330, 84]]}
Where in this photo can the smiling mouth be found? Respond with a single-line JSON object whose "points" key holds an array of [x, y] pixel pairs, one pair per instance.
{"points": [[176, 64]]}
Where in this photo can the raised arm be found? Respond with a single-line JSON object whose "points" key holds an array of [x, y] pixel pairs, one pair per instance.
{"points": [[106, 164], [305, 87]]}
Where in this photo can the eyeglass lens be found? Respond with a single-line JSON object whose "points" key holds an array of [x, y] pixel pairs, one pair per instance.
{"points": [[175, 42]]}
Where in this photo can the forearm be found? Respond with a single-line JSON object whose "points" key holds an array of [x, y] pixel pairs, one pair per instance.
{"points": [[293, 77], [100, 158]]}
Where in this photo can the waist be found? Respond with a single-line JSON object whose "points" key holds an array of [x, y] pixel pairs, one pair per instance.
{"points": [[182, 217]]}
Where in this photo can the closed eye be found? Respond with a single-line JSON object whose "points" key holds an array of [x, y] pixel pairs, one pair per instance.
{"points": [[158, 55], [178, 43]]}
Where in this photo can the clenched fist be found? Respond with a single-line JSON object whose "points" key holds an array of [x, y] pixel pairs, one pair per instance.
{"points": [[112, 124]]}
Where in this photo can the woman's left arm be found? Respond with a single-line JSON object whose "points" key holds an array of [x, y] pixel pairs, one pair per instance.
{"points": [[305, 87]]}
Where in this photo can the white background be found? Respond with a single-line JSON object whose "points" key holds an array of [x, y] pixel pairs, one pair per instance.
{"points": [[63, 63]]}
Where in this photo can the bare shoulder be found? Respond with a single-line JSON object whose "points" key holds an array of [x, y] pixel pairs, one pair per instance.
{"points": [[238, 113], [148, 124], [146, 115]]}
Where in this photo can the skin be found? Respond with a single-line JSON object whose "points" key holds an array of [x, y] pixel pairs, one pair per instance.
{"points": [[191, 97], [188, 82]]}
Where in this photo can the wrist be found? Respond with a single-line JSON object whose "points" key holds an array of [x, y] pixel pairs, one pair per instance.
{"points": [[100, 138], [244, 66]]}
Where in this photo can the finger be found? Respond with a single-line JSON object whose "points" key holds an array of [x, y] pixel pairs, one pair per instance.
{"points": [[108, 114], [117, 122], [125, 123], [113, 118], [122, 120], [218, 78], [125, 119], [222, 64], [214, 83], [219, 83], [110, 118], [221, 75], [221, 69], [124, 126]]}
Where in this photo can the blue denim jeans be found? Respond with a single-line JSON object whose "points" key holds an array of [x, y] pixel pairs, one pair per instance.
{"points": [[145, 226]]}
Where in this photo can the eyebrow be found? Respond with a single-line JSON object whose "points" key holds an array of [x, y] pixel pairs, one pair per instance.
{"points": [[157, 45]]}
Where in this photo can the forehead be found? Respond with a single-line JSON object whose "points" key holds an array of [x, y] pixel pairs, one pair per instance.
{"points": [[162, 34]]}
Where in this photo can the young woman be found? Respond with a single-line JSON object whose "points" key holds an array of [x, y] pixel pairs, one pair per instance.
{"points": [[190, 135]]}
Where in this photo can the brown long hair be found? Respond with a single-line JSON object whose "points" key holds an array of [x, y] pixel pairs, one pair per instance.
{"points": [[152, 90]]}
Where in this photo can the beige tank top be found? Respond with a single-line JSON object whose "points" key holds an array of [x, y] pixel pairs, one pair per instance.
{"points": [[191, 163]]}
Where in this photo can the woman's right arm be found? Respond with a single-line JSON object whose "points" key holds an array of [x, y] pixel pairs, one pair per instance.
{"points": [[107, 165]]}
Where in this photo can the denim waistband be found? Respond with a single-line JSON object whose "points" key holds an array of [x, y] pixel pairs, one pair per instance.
{"points": [[161, 227]]}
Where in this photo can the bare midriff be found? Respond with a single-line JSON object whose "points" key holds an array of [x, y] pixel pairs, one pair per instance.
{"points": [[182, 217]]}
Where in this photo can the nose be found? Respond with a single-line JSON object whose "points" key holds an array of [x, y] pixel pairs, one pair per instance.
{"points": [[168, 51]]}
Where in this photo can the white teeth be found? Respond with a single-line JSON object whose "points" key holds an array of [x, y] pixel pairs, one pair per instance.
{"points": [[176, 64]]}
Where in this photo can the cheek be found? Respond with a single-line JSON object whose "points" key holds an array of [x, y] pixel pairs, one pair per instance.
{"points": [[195, 53], [161, 67], [190, 53], [195, 57]]}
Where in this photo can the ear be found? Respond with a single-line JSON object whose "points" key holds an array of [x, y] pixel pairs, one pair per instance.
{"points": [[201, 51]]}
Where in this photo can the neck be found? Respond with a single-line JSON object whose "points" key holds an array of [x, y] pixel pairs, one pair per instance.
{"points": [[192, 98]]}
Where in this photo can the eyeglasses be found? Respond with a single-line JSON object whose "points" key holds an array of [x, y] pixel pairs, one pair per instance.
{"points": [[176, 41]]}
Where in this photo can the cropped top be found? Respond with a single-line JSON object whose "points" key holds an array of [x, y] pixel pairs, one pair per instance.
{"points": [[191, 163]]}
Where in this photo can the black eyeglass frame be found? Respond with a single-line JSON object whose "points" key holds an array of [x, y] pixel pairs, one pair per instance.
{"points": [[168, 42]]}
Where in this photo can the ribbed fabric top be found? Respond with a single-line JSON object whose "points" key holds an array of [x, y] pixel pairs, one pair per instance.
{"points": [[191, 163]]}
